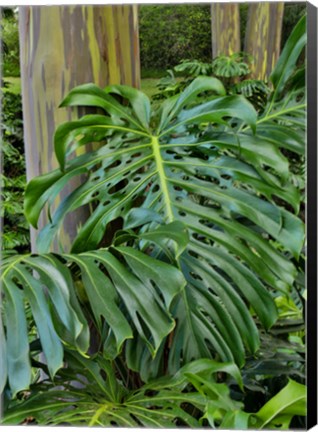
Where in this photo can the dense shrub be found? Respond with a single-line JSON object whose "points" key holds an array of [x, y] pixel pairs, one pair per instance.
{"points": [[10, 43], [171, 33], [15, 228]]}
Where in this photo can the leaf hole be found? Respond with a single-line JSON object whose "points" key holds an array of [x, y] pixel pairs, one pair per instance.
{"points": [[136, 419], [204, 222], [195, 276], [118, 187], [114, 164], [18, 283], [199, 237], [151, 393]]}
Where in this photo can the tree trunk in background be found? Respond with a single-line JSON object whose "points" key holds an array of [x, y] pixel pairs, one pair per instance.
{"points": [[62, 47], [225, 21], [263, 36]]}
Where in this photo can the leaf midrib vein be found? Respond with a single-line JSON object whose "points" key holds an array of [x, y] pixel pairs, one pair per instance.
{"points": [[162, 177]]}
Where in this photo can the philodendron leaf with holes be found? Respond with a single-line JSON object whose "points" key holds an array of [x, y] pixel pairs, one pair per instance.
{"points": [[125, 289], [223, 190], [104, 400], [193, 397]]}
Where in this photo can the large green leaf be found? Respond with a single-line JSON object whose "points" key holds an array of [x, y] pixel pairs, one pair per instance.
{"points": [[102, 400], [287, 61], [283, 121], [278, 412], [3, 354], [17, 361], [93, 395], [125, 290], [204, 166]]}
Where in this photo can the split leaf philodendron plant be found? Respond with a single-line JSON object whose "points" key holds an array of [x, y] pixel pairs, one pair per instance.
{"points": [[102, 399], [209, 232]]}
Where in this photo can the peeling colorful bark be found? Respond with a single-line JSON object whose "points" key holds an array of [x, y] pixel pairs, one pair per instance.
{"points": [[62, 47], [263, 36], [225, 21]]}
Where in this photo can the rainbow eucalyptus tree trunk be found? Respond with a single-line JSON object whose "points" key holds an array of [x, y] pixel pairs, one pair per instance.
{"points": [[263, 36], [225, 21], [62, 47]]}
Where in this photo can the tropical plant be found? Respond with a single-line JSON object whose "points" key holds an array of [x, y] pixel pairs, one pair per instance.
{"points": [[193, 397], [213, 178], [183, 173], [283, 119], [232, 70], [194, 68], [256, 91], [193, 236], [141, 282], [234, 65]]}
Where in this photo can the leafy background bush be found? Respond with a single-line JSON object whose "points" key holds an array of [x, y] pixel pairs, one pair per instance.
{"points": [[171, 33], [13, 179], [10, 43]]}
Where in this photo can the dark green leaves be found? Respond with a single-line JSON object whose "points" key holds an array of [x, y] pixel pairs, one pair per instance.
{"points": [[205, 167], [106, 402], [125, 289], [92, 395], [289, 56], [284, 119], [24, 278]]}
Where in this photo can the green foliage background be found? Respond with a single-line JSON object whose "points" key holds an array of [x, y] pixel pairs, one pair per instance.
{"points": [[15, 227], [171, 33], [10, 43]]}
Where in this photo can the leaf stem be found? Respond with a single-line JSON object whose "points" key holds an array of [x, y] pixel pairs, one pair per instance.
{"points": [[162, 177]]}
